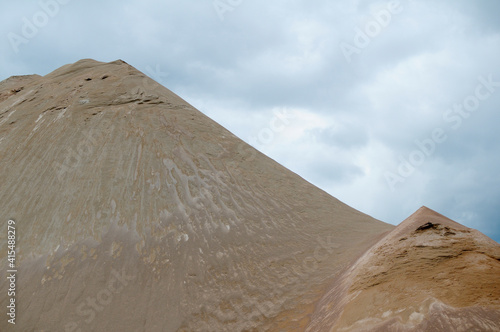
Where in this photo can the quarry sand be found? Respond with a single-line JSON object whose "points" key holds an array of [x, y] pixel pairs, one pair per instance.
{"points": [[136, 212]]}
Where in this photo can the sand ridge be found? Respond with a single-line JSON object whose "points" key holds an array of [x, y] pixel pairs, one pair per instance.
{"points": [[426, 268], [123, 176], [136, 212]]}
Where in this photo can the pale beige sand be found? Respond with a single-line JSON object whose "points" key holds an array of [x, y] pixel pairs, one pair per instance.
{"points": [[136, 212], [108, 173], [428, 274]]}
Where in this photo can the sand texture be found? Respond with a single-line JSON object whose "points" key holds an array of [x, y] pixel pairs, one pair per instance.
{"points": [[136, 212]]}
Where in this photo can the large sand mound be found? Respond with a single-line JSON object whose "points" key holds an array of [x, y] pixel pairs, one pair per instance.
{"points": [[136, 212]]}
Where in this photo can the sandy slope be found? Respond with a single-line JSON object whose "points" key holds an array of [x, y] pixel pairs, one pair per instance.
{"points": [[428, 274], [135, 212]]}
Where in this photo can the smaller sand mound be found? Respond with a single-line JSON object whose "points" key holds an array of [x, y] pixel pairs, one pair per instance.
{"points": [[429, 273]]}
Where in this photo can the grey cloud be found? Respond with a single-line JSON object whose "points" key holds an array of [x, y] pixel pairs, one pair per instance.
{"points": [[343, 136], [286, 54]]}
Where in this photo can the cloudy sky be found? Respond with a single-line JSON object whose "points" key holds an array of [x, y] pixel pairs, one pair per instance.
{"points": [[386, 105]]}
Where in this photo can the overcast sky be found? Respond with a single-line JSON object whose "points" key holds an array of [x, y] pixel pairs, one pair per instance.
{"points": [[387, 106]]}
